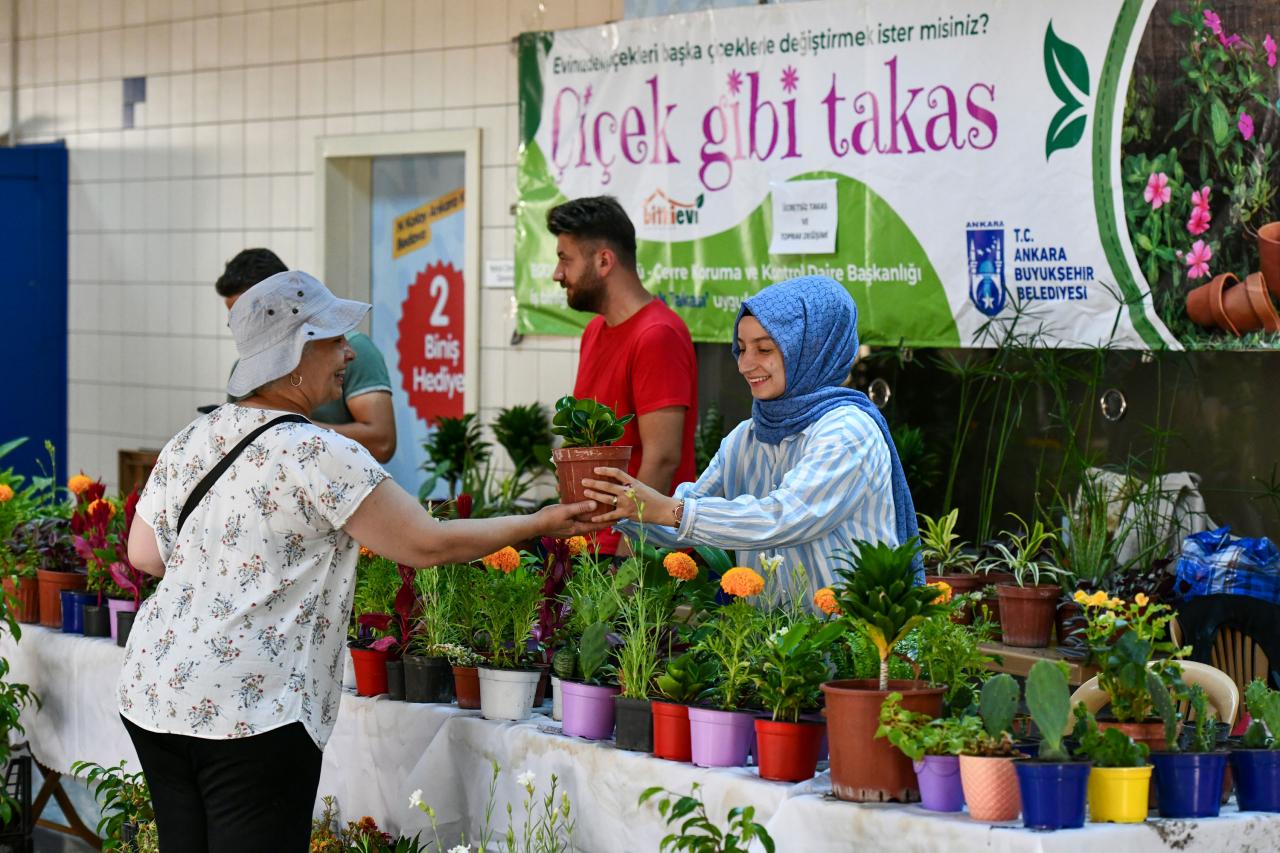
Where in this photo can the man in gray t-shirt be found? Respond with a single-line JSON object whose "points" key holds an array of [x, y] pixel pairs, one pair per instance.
{"points": [[364, 413]]}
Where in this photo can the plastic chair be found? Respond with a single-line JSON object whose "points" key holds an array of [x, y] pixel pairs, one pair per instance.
{"points": [[1238, 634], [1220, 690]]}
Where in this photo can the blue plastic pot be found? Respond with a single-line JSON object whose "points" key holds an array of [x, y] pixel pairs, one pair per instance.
{"points": [[73, 610], [1257, 775], [1189, 784], [1053, 793]]}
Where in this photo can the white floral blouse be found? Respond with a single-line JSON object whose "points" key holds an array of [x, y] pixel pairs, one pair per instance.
{"points": [[246, 630]]}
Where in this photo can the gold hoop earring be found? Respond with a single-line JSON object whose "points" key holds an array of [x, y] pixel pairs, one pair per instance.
{"points": [[292, 378]]}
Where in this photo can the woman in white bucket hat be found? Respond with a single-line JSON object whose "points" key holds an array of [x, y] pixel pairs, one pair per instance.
{"points": [[252, 517]]}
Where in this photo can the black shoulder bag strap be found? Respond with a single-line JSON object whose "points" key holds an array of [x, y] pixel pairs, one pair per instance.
{"points": [[202, 488]]}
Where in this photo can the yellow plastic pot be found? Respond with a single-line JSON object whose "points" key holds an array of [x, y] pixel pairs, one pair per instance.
{"points": [[1119, 794]]}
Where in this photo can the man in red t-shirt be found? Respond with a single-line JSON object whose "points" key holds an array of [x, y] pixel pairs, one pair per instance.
{"points": [[636, 356]]}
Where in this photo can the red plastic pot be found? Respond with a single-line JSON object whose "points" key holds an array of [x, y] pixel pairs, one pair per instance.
{"points": [[671, 731], [788, 752], [371, 671], [466, 687]]}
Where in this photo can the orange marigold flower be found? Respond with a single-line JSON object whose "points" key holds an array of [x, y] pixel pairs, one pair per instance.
{"points": [[507, 560], [680, 566], [742, 582], [946, 592], [365, 552], [77, 484], [111, 508], [825, 600], [577, 545], [6, 493]]}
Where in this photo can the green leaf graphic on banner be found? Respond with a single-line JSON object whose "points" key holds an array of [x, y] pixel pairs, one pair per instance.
{"points": [[1065, 60]]}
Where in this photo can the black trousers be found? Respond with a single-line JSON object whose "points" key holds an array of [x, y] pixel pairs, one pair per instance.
{"points": [[242, 795]]}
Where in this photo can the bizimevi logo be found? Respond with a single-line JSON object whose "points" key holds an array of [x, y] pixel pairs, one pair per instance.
{"points": [[661, 209]]}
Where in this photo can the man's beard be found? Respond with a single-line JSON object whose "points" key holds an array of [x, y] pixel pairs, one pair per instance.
{"points": [[587, 293]]}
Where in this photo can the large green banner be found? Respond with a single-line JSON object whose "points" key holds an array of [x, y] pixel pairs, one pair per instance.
{"points": [[952, 164]]}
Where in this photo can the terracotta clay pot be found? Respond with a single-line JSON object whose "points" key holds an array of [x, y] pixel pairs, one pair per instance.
{"points": [[1249, 307], [26, 608], [575, 463], [1026, 614], [865, 768], [990, 788], [1269, 255], [466, 686], [1150, 732], [51, 585], [1205, 303]]}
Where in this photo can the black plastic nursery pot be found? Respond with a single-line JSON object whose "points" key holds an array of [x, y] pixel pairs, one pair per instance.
{"points": [[634, 724], [97, 620], [427, 679], [124, 624], [1189, 784], [395, 680], [1053, 793]]}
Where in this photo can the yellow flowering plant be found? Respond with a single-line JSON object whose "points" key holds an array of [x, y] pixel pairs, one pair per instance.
{"points": [[1127, 640]]}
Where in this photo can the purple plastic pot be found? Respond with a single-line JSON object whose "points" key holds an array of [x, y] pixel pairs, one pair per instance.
{"points": [[117, 605], [939, 778], [721, 738], [588, 710]]}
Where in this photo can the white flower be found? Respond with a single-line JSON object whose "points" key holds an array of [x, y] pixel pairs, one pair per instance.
{"points": [[461, 848], [525, 779], [770, 564], [415, 799]]}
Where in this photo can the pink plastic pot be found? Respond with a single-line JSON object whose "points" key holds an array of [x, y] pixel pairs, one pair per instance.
{"points": [[720, 738], [588, 710], [119, 605]]}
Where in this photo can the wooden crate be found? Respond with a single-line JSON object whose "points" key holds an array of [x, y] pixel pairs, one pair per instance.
{"points": [[134, 468]]}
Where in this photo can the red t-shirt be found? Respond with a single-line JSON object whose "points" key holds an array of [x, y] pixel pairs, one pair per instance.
{"points": [[641, 365]]}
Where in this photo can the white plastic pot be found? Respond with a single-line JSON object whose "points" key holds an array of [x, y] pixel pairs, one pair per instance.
{"points": [[557, 700], [507, 694]]}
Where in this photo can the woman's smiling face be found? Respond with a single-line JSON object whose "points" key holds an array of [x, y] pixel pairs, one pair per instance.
{"points": [[760, 360]]}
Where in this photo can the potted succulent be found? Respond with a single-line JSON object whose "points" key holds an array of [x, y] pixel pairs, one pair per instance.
{"points": [[1120, 781], [1188, 775], [878, 596], [589, 430], [1125, 642], [1255, 763], [945, 555], [789, 670], [1027, 606], [378, 581], [987, 764], [1052, 786], [510, 591], [687, 677], [428, 673], [934, 745], [583, 665], [721, 735]]}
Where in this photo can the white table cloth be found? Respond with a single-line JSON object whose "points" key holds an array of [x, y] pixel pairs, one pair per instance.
{"points": [[381, 751]]}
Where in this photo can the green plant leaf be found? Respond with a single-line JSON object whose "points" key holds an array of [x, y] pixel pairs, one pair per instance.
{"points": [[1219, 121]]}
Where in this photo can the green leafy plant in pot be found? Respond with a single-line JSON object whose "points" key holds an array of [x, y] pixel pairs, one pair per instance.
{"points": [[1255, 763], [1189, 770], [645, 610], [685, 680], [789, 670], [934, 745], [590, 431], [509, 597], [1052, 786], [584, 663], [1120, 782], [878, 595], [1029, 603], [428, 675], [721, 734]]}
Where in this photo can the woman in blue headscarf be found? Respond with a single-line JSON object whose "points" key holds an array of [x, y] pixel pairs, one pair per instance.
{"points": [[813, 469]]}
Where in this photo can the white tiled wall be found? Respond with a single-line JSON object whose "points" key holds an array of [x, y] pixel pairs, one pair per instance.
{"points": [[221, 157]]}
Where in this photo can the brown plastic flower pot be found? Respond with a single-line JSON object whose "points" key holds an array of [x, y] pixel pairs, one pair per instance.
{"points": [[1262, 302], [1204, 303], [865, 768], [26, 602], [466, 685], [573, 464], [51, 587], [1026, 614], [1269, 256]]}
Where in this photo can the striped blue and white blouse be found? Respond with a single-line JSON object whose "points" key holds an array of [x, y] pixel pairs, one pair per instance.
{"points": [[802, 499]]}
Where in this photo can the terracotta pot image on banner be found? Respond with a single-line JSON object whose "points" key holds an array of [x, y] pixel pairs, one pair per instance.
{"points": [[1205, 303], [1249, 307], [1269, 256]]}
